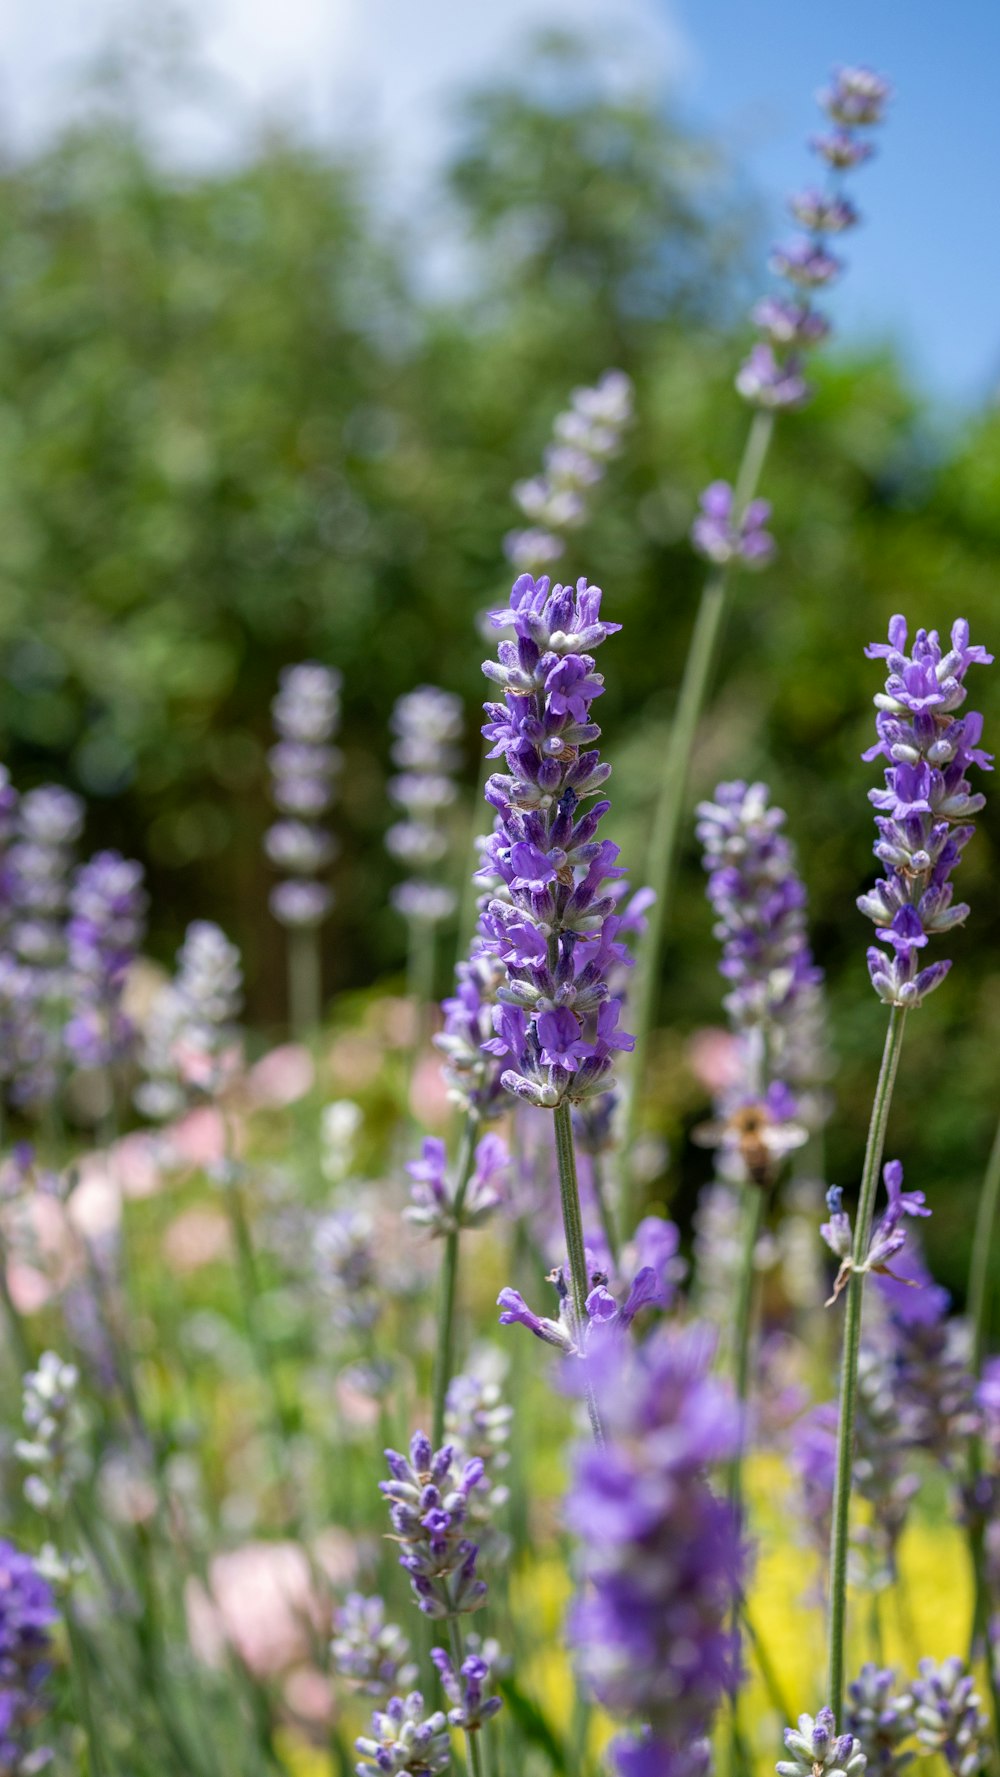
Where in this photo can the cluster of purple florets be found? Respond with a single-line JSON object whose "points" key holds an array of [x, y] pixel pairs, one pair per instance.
{"points": [[772, 377], [660, 1553], [427, 724], [585, 437], [923, 813], [68, 937], [27, 1613], [549, 914], [304, 767]]}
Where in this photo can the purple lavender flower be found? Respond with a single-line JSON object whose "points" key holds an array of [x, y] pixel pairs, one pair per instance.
{"points": [[715, 535], [471, 1071], [550, 911], [369, 1650], [819, 1751], [346, 1263], [189, 1034], [857, 97], [428, 1507], [888, 1236], [932, 1382], [106, 926], [765, 380], [806, 264], [923, 812], [436, 1203], [659, 1554], [404, 1742], [950, 1718], [760, 907], [586, 436], [426, 723], [27, 1613], [880, 1717], [771, 377], [303, 765], [466, 1690]]}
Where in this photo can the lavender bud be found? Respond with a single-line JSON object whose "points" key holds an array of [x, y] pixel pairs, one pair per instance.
{"points": [[404, 1742], [880, 1719], [949, 1716], [370, 1650], [819, 1751]]}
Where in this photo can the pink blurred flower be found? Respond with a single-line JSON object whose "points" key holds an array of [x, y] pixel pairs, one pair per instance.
{"points": [[429, 1099], [197, 1237], [714, 1058], [263, 1601], [281, 1077]]}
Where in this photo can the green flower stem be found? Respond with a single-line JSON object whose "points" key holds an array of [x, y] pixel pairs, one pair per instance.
{"points": [[445, 1352], [569, 1194], [97, 1766], [978, 1307], [662, 857], [305, 991], [753, 1216], [420, 969], [849, 1361], [604, 1209]]}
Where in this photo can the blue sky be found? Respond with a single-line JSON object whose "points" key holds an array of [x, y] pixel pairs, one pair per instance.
{"points": [[925, 270]]}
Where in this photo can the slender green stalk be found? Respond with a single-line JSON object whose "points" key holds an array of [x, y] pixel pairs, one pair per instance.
{"points": [[662, 856], [753, 1215], [849, 1361], [569, 1195], [81, 1677], [420, 965], [444, 1355], [978, 1307], [304, 980], [604, 1209]]}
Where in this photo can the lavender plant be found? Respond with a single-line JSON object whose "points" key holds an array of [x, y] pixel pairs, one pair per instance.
{"points": [[923, 826], [27, 1617], [304, 767], [730, 531], [585, 437]]}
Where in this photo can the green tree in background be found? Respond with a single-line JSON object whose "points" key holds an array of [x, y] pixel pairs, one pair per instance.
{"points": [[235, 430]]}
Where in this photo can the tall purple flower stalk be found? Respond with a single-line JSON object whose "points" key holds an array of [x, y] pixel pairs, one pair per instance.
{"points": [[659, 1554], [730, 529], [35, 985], [106, 927], [923, 813], [27, 1614], [306, 713], [550, 917], [760, 906], [586, 436], [427, 724]]}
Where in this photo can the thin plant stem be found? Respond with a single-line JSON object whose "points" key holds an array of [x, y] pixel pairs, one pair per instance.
{"points": [[81, 1675], [420, 961], [569, 1195], [753, 1213], [444, 1354], [604, 1209], [978, 1306], [304, 980], [662, 856], [849, 1361]]}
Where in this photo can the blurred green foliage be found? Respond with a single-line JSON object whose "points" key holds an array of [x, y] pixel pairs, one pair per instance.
{"points": [[235, 431]]}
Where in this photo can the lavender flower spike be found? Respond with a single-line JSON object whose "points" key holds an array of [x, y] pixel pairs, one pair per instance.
{"points": [[426, 723], [27, 1613], [404, 1742], [428, 1506], [819, 1751], [880, 1716], [949, 1715], [303, 765], [106, 925], [465, 1690], [586, 436], [924, 811], [550, 913], [436, 1204], [660, 1557], [368, 1649]]}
